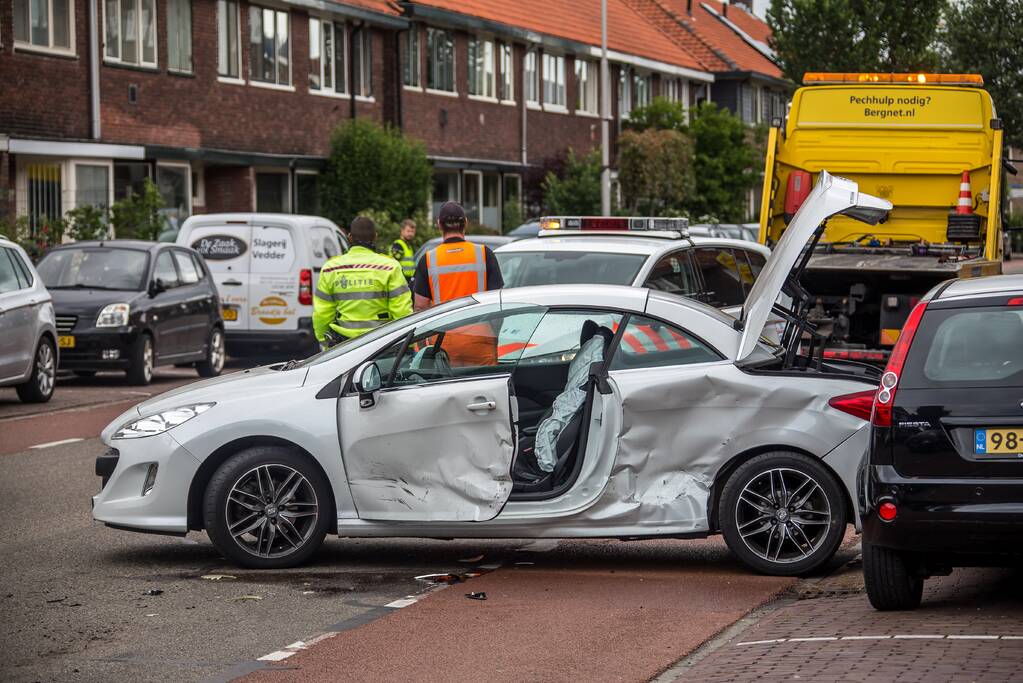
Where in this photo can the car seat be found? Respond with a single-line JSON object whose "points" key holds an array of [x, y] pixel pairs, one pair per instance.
{"points": [[545, 454]]}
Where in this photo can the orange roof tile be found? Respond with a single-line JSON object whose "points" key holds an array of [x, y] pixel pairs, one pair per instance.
{"points": [[628, 31], [667, 21], [712, 30], [753, 25]]}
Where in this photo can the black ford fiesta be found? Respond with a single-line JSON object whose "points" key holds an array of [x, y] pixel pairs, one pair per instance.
{"points": [[132, 305], [943, 486]]}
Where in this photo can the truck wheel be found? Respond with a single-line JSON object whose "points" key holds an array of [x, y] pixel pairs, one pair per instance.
{"points": [[140, 372], [783, 513], [890, 579], [213, 364], [39, 386]]}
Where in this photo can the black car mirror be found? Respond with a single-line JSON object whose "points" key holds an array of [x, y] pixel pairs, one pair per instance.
{"points": [[157, 286]]}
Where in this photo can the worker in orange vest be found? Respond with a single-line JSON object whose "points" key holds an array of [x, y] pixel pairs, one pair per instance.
{"points": [[453, 269]]}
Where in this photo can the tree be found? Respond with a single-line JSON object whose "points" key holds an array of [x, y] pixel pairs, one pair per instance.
{"points": [[661, 114], [377, 169], [576, 190], [986, 37], [725, 163], [655, 171], [854, 35]]}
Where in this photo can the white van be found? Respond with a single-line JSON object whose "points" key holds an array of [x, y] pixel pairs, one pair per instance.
{"points": [[265, 266]]}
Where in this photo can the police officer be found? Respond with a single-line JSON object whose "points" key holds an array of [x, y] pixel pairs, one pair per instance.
{"points": [[453, 269], [358, 291], [401, 248]]}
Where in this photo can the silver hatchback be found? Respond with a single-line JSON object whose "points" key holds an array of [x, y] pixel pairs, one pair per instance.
{"points": [[28, 332]]}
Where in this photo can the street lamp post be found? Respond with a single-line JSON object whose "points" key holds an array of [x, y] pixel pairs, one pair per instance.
{"points": [[605, 117]]}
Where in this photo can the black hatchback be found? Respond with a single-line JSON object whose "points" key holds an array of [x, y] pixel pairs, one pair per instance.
{"points": [[132, 305], [943, 485]]}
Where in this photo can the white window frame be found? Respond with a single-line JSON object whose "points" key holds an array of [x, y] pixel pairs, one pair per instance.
{"points": [[531, 78], [486, 79], [273, 85], [624, 91], [588, 97], [119, 59], [198, 180], [336, 27], [49, 48], [364, 36], [191, 44], [557, 61], [454, 63], [224, 78], [479, 192], [647, 79], [506, 72], [71, 173], [417, 58]]}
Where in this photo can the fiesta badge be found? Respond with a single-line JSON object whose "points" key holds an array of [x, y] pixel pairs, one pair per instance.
{"points": [[272, 310], [219, 247]]}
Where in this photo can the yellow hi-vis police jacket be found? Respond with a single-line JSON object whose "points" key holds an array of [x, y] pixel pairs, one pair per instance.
{"points": [[359, 291]]}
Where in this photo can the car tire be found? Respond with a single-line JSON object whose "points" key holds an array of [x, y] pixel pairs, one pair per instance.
{"points": [[213, 364], [890, 578], [783, 513], [253, 523], [38, 388], [140, 371]]}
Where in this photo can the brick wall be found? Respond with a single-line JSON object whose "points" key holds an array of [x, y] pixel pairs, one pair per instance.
{"points": [[228, 189]]}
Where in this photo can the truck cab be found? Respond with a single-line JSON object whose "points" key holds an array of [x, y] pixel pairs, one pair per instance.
{"points": [[929, 143]]}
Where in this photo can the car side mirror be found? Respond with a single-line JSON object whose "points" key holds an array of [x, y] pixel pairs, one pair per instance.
{"points": [[156, 286], [367, 383]]}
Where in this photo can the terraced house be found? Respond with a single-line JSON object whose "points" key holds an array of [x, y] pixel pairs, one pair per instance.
{"points": [[228, 105]]}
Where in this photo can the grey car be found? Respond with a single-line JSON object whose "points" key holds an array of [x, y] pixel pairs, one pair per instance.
{"points": [[663, 418], [28, 335]]}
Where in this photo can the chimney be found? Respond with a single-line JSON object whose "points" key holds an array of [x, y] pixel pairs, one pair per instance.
{"points": [[689, 6], [725, 7]]}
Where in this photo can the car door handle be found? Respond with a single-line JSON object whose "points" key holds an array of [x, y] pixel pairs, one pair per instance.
{"points": [[231, 283], [483, 405]]}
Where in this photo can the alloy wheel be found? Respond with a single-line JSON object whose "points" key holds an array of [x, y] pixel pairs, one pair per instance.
{"points": [[147, 359], [46, 369], [217, 351], [271, 511], [783, 515]]}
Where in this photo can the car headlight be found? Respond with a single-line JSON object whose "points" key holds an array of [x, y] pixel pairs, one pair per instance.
{"points": [[114, 315], [161, 422]]}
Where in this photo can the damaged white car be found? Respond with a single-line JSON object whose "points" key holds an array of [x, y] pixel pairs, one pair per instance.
{"points": [[663, 417]]}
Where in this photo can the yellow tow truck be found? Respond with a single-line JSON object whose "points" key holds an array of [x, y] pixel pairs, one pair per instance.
{"points": [[929, 143]]}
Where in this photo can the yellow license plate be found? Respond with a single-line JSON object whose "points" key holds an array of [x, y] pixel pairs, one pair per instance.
{"points": [[66, 341], [1007, 441], [230, 313]]}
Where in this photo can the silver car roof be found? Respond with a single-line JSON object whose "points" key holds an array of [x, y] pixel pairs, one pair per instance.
{"points": [[981, 286], [621, 244], [611, 296]]}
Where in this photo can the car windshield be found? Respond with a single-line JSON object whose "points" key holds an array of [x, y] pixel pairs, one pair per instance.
{"points": [[526, 268], [94, 268]]}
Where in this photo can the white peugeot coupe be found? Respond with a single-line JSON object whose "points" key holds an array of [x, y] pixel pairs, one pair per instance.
{"points": [[661, 417]]}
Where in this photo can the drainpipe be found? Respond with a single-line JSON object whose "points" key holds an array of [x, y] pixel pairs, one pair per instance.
{"points": [[94, 113], [525, 109], [293, 185], [399, 79]]}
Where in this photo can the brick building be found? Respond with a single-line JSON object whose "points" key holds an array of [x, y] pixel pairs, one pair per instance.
{"points": [[228, 104]]}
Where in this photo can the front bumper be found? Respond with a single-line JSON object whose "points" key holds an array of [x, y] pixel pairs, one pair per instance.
{"points": [[264, 341], [122, 503], [947, 518], [92, 345]]}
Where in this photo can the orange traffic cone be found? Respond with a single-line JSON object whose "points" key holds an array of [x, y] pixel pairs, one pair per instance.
{"points": [[965, 206]]}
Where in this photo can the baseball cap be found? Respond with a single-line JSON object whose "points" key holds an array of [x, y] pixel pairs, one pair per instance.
{"points": [[451, 214]]}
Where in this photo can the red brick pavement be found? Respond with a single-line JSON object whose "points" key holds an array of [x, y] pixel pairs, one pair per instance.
{"points": [[970, 602]]}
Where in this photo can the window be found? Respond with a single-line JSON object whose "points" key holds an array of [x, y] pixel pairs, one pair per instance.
{"points": [[471, 190], [440, 60], [506, 82], [21, 270], [649, 343], [556, 339], [643, 86], [481, 67], [45, 23], [624, 91], [179, 35], [445, 188], [413, 60], [721, 279], [272, 193], [187, 268], [92, 185], [511, 209], [129, 178], [747, 103], [269, 46], [674, 89], [362, 62], [328, 71], [532, 84], [587, 77], [109, 268], [306, 199], [165, 271], [526, 268], [553, 80], [228, 38], [674, 274], [175, 187], [44, 195], [9, 281], [130, 32]]}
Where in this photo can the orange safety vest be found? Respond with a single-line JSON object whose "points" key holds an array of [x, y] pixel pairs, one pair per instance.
{"points": [[458, 269]]}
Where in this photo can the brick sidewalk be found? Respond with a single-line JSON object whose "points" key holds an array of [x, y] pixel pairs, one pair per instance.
{"points": [[829, 632]]}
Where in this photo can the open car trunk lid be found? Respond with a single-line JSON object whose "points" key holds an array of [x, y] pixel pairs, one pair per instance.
{"points": [[831, 196]]}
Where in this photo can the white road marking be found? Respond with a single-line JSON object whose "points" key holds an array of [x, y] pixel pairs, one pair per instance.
{"points": [[918, 637], [762, 642], [900, 636], [403, 602], [973, 637], [275, 656], [865, 637], [812, 640], [50, 444]]}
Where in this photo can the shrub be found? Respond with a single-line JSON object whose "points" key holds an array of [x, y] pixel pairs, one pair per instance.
{"points": [[576, 189], [137, 216], [655, 171], [88, 222]]}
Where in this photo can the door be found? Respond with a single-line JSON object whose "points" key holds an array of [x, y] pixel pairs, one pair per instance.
{"points": [[437, 443], [225, 249], [273, 279], [18, 313], [195, 298], [168, 310]]}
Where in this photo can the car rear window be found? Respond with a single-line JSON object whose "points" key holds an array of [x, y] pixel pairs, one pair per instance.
{"points": [[94, 268], [967, 347], [527, 268]]}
